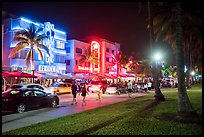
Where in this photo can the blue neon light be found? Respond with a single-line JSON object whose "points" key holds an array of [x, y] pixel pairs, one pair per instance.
{"points": [[29, 21], [59, 38], [59, 31], [17, 28]]}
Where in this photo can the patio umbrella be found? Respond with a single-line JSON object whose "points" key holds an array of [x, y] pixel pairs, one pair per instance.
{"points": [[6, 74], [22, 74]]}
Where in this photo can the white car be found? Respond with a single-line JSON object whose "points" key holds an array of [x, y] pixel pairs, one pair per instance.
{"points": [[116, 88], [32, 85]]}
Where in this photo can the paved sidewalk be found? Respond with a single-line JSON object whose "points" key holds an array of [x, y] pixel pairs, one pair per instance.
{"points": [[14, 121]]}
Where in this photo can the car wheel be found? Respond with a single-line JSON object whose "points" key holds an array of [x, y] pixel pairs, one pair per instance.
{"points": [[21, 108], [54, 103]]}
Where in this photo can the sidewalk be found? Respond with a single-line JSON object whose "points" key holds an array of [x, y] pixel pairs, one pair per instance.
{"points": [[14, 121]]}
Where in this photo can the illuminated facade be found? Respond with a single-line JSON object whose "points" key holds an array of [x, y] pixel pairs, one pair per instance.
{"points": [[104, 49], [56, 42]]}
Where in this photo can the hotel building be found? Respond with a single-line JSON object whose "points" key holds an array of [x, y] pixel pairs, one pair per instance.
{"points": [[56, 42]]}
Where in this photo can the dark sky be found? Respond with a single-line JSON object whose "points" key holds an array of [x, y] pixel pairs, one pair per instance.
{"points": [[120, 22]]}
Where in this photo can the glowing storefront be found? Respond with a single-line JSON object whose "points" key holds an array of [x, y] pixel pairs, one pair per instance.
{"points": [[56, 43], [104, 49]]}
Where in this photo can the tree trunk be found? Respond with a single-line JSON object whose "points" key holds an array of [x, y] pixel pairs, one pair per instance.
{"points": [[32, 63], [184, 105], [158, 94]]}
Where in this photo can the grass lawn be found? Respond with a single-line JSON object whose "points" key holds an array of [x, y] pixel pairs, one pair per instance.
{"points": [[132, 117]]}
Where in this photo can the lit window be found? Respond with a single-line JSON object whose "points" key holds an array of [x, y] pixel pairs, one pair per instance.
{"points": [[60, 45]]}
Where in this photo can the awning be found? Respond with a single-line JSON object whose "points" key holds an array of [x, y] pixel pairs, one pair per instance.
{"points": [[17, 74], [6, 74]]}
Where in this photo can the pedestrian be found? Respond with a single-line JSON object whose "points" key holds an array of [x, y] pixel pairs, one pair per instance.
{"points": [[145, 87], [149, 85], [129, 87], [84, 91], [99, 95], [74, 92]]}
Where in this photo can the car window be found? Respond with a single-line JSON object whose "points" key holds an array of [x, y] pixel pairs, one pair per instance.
{"points": [[39, 93], [28, 94], [16, 86], [31, 86], [39, 87]]}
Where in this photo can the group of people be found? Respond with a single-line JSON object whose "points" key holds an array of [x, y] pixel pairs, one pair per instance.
{"points": [[77, 88]]}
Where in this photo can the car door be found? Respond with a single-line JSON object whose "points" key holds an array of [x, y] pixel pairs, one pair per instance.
{"points": [[40, 98], [29, 98]]}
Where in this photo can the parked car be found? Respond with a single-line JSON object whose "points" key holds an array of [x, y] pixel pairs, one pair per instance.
{"points": [[60, 87], [31, 85], [116, 88], [22, 99], [95, 86]]}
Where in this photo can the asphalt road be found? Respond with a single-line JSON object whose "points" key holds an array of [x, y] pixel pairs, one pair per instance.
{"points": [[17, 120]]}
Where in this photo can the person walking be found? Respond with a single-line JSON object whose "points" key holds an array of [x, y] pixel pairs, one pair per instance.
{"points": [[84, 91], [129, 87], [145, 87], [74, 92]]}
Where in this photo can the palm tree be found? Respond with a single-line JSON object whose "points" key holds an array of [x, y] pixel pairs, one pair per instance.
{"points": [[31, 38], [184, 105], [164, 26], [89, 57], [116, 60], [170, 25], [158, 94]]}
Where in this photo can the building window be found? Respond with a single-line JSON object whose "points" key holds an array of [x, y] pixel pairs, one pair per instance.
{"points": [[60, 45], [59, 59], [68, 50], [67, 62], [78, 50], [107, 50], [107, 59], [113, 51], [107, 69], [76, 62]]}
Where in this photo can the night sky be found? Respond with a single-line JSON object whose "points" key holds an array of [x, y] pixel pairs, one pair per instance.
{"points": [[120, 22]]}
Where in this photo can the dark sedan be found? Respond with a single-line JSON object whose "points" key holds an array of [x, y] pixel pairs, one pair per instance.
{"points": [[21, 99]]}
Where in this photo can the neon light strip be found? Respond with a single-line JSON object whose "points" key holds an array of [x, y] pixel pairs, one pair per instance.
{"points": [[59, 38], [26, 20], [17, 28], [59, 31], [60, 52]]}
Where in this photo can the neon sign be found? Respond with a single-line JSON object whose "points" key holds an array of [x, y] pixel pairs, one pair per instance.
{"points": [[49, 31], [95, 47], [83, 68], [47, 68]]}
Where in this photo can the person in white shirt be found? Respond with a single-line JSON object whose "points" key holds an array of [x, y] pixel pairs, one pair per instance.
{"points": [[129, 87], [149, 85], [145, 87]]}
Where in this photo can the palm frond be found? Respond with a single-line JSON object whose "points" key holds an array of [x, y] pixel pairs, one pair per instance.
{"points": [[40, 53], [43, 47], [18, 48]]}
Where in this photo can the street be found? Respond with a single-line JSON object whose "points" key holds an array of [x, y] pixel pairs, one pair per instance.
{"points": [[17, 120]]}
